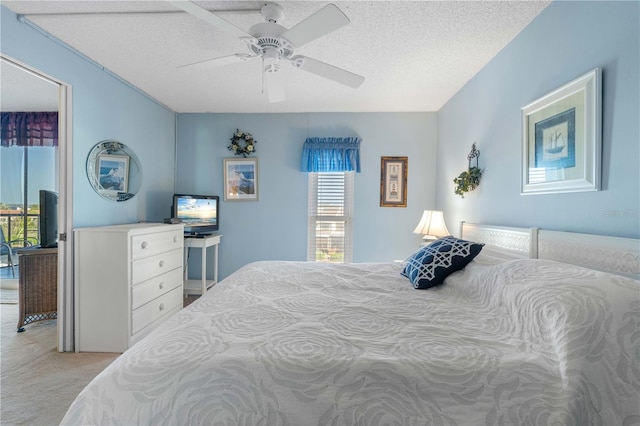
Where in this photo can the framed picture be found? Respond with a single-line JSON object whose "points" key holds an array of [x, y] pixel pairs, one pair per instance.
{"points": [[393, 182], [113, 172], [561, 138], [241, 179]]}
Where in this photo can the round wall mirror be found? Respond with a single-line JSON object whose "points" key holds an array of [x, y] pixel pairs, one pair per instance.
{"points": [[114, 171]]}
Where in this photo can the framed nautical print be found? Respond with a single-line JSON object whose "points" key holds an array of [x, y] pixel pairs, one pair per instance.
{"points": [[240, 179], [561, 138], [114, 172]]}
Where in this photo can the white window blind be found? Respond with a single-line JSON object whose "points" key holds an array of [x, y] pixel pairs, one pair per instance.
{"points": [[330, 217]]}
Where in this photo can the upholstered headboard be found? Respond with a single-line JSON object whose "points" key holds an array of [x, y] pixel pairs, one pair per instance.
{"points": [[610, 254]]}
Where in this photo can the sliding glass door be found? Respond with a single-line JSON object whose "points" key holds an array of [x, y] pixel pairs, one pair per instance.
{"points": [[25, 170]]}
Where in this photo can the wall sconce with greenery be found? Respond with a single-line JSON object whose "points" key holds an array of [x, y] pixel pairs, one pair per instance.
{"points": [[469, 179]]}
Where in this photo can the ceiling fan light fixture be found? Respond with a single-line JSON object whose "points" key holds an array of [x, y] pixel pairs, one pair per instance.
{"points": [[271, 60], [270, 67]]}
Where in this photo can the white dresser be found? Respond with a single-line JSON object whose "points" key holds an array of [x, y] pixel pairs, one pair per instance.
{"points": [[128, 280]]}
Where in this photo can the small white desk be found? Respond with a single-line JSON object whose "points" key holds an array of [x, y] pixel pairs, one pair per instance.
{"points": [[200, 286]]}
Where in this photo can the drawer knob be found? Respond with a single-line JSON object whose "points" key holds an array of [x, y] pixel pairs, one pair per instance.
{"points": [[161, 307], [161, 285], [161, 263], [175, 239], [144, 245]]}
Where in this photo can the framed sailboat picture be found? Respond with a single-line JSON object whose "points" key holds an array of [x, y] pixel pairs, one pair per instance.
{"points": [[561, 138]]}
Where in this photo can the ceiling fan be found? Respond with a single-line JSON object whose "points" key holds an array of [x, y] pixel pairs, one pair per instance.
{"points": [[275, 44]]}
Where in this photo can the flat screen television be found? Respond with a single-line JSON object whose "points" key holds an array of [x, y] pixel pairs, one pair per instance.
{"points": [[48, 219], [200, 214]]}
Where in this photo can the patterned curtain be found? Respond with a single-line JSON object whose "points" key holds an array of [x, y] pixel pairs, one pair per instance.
{"points": [[29, 129], [331, 155]]}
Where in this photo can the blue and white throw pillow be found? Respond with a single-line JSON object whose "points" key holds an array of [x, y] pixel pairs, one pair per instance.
{"points": [[429, 266]]}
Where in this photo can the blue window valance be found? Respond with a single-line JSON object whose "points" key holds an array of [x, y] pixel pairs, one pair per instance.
{"points": [[331, 155]]}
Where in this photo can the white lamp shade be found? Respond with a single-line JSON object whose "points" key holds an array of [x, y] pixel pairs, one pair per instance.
{"points": [[432, 225]]}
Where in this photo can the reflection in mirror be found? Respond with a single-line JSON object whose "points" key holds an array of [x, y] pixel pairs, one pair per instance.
{"points": [[114, 171]]}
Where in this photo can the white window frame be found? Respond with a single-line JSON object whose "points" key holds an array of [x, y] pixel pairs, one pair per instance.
{"points": [[347, 217]]}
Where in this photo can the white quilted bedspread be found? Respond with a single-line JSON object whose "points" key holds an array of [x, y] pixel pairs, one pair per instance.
{"points": [[296, 343]]}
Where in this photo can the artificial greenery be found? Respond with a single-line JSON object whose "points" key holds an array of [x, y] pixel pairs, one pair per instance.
{"points": [[245, 149], [467, 181]]}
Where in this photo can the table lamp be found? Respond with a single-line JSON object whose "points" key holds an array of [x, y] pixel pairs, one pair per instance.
{"points": [[431, 226]]}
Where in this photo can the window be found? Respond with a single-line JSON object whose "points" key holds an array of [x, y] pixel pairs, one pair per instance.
{"points": [[331, 164], [330, 217]]}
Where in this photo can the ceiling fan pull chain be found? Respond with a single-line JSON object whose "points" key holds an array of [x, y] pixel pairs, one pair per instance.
{"points": [[262, 74]]}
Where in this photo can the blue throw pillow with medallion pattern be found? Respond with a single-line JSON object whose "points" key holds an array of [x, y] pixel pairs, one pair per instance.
{"points": [[429, 266]]}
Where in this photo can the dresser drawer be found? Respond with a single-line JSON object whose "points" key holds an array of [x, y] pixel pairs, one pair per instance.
{"points": [[155, 309], [148, 290], [152, 326], [144, 269], [146, 245]]}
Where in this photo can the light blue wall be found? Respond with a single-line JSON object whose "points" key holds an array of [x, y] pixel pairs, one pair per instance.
{"points": [[275, 227], [550, 52], [565, 41], [103, 108]]}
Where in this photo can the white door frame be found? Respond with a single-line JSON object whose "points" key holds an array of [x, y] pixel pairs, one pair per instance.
{"points": [[65, 223], [65, 205]]}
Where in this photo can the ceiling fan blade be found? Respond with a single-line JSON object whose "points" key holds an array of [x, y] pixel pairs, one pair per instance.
{"points": [[210, 18], [274, 82], [218, 62], [328, 71], [327, 19]]}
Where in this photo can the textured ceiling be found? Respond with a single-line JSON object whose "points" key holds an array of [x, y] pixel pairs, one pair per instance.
{"points": [[414, 55], [23, 91]]}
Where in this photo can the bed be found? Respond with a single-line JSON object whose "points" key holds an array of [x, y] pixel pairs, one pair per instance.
{"points": [[514, 337]]}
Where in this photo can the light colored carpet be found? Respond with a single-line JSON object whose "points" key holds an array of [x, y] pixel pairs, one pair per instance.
{"points": [[37, 383], [8, 296], [8, 290]]}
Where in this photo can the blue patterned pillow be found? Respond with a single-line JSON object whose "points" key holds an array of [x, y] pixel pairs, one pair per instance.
{"points": [[429, 266]]}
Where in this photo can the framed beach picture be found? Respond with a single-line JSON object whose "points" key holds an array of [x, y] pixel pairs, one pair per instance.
{"points": [[113, 172], [393, 181], [241, 179], [561, 138]]}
